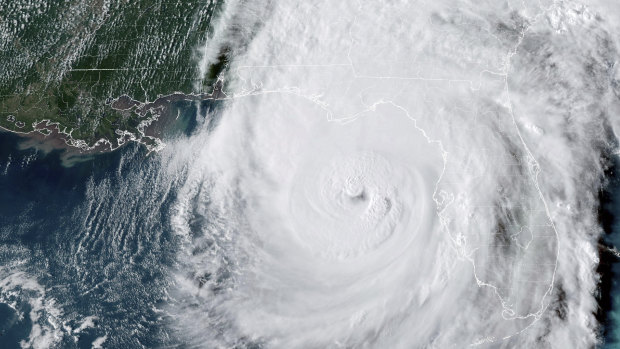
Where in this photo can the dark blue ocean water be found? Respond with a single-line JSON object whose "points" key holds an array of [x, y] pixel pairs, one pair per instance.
{"points": [[86, 249], [609, 267], [73, 249], [612, 326], [91, 243]]}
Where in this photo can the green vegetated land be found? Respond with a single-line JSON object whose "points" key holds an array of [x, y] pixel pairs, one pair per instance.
{"points": [[62, 60]]}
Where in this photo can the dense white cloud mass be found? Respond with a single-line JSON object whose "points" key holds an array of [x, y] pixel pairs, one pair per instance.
{"points": [[399, 174]]}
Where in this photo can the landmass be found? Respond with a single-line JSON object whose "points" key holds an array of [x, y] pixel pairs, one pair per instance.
{"points": [[81, 73]]}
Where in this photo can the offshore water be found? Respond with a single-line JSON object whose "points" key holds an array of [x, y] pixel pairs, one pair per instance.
{"points": [[609, 268], [85, 250]]}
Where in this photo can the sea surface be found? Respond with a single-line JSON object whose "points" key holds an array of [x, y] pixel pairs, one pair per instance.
{"points": [[609, 268], [85, 250]]}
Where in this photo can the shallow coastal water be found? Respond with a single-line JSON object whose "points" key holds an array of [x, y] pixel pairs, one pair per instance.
{"points": [[69, 266], [84, 249], [381, 172]]}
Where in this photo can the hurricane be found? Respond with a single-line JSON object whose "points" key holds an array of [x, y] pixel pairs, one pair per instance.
{"points": [[400, 175], [385, 174]]}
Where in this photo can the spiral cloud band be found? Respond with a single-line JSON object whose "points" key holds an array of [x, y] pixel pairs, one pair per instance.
{"points": [[398, 174]]}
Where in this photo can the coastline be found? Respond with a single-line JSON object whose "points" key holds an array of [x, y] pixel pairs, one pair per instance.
{"points": [[48, 135]]}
